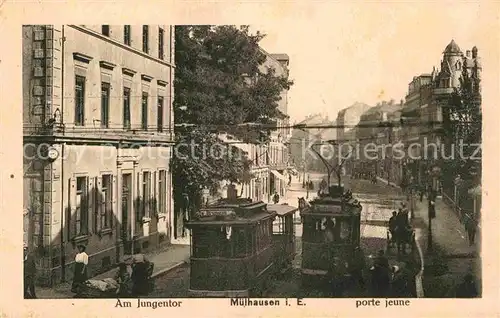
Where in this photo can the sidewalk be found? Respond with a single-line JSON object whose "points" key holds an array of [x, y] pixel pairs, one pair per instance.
{"points": [[452, 255], [165, 259]]}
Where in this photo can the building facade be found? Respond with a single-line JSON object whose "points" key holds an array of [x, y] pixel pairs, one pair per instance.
{"points": [[98, 137], [347, 133], [270, 160], [427, 106]]}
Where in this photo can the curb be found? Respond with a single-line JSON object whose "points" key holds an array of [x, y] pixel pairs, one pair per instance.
{"points": [[419, 276], [164, 271]]}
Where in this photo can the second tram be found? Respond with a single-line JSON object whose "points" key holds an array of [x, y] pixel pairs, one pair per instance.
{"points": [[331, 237]]}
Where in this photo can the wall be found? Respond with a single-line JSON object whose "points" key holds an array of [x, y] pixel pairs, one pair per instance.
{"points": [[100, 49]]}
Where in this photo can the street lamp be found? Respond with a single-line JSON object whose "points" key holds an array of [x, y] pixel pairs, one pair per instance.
{"points": [[436, 171]]}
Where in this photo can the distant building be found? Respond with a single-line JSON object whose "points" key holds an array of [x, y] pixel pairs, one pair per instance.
{"points": [[379, 127], [270, 161], [348, 118], [98, 137], [427, 106]]}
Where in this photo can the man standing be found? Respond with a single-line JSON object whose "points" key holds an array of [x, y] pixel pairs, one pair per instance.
{"points": [[276, 198], [29, 274]]}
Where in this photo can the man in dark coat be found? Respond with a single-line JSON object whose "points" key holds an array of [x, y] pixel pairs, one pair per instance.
{"points": [[393, 225], [29, 275], [467, 289]]}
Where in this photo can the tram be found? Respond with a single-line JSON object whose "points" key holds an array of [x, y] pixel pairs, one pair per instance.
{"points": [[331, 237], [234, 250], [283, 236]]}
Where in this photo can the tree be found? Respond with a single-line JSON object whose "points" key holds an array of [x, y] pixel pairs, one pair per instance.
{"points": [[220, 83], [464, 125]]}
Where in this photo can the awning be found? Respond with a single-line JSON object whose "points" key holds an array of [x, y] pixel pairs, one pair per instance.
{"points": [[278, 175]]}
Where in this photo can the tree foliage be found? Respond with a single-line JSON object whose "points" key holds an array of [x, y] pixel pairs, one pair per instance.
{"points": [[464, 124], [220, 83]]}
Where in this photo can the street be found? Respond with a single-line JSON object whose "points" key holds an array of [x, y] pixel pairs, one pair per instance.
{"points": [[378, 202]]}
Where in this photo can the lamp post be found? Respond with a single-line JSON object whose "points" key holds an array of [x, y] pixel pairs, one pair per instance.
{"points": [[436, 171]]}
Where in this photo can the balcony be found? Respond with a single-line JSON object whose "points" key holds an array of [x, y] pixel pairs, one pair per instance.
{"points": [[93, 134], [443, 91]]}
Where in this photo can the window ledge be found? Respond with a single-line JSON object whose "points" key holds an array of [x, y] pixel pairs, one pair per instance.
{"points": [[105, 231], [80, 239], [162, 216]]}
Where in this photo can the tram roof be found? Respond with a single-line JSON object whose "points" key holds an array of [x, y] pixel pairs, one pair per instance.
{"points": [[329, 205], [239, 211], [281, 209]]}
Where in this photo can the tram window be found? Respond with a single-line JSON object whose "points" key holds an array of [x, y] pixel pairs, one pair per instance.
{"points": [[345, 230], [239, 242]]}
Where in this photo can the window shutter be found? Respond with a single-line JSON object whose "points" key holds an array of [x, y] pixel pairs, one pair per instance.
{"points": [[98, 204], [155, 195], [138, 205], [114, 209], [71, 211], [91, 184]]}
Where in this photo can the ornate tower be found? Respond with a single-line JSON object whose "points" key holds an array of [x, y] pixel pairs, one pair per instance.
{"points": [[453, 63]]}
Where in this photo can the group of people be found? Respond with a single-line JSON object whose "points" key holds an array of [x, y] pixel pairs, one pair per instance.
{"points": [[389, 280], [400, 228], [133, 279]]}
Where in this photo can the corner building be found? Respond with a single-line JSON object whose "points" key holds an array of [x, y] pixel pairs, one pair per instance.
{"points": [[98, 138]]}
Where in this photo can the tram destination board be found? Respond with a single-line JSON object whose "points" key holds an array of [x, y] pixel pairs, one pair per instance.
{"points": [[216, 212]]}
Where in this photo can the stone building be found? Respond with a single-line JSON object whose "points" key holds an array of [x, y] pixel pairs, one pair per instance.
{"points": [[270, 161], [98, 137], [347, 133], [427, 106]]}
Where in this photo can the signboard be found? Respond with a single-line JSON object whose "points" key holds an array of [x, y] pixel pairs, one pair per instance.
{"points": [[327, 208], [228, 212]]}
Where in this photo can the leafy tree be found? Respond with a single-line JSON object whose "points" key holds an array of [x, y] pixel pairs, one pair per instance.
{"points": [[220, 86], [464, 123]]}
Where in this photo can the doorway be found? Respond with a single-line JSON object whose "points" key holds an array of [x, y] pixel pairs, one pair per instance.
{"points": [[126, 226]]}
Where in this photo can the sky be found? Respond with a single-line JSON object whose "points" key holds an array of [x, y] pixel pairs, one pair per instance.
{"points": [[344, 53]]}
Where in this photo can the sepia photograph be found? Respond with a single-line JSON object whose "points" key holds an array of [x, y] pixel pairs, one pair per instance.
{"points": [[145, 180], [260, 159]]}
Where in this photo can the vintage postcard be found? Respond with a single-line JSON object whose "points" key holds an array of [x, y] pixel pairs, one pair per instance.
{"points": [[255, 158]]}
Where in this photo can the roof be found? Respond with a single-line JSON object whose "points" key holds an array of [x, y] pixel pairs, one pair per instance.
{"points": [[452, 48], [280, 56], [237, 211], [281, 209]]}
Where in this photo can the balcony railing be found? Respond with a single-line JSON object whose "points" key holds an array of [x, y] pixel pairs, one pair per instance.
{"points": [[98, 133]]}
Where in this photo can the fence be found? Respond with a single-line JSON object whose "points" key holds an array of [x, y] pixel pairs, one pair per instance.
{"points": [[466, 206]]}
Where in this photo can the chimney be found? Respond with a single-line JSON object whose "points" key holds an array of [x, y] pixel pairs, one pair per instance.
{"points": [[468, 54]]}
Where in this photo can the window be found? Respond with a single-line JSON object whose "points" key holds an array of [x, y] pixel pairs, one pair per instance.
{"points": [[162, 188], [107, 201], [82, 206], [105, 90], [161, 35], [146, 193], [127, 37], [126, 108], [144, 120], [79, 100], [145, 39], [160, 114], [105, 30]]}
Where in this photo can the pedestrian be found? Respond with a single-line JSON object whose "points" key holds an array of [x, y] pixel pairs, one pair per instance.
{"points": [[276, 197], [380, 275], [467, 289], [29, 274], [289, 179], [393, 223], [471, 229], [124, 280], [80, 269], [422, 191], [357, 267]]}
